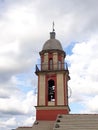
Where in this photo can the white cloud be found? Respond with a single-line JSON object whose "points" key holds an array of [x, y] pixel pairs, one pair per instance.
{"points": [[84, 71], [92, 104], [29, 121], [12, 105], [20, 105], [17, 46], [11, 122]]}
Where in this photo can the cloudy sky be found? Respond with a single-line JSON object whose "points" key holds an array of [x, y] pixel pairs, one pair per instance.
{"points": [[24, 28]]}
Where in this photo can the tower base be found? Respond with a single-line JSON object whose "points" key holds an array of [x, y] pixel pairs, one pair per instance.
{"points": [[50, 113]]}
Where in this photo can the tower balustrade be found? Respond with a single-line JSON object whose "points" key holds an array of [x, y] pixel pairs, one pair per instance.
{"points": [[52, 67]]}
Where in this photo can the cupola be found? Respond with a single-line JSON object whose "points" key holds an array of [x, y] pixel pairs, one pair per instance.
{"points": [[52, 43]]}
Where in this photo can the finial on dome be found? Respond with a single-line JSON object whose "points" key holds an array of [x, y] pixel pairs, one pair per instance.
{"points": [[53, 27], [52, 34]]}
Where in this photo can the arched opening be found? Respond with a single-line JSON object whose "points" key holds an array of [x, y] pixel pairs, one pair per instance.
{"points": [[50, 64], [51, 90]]}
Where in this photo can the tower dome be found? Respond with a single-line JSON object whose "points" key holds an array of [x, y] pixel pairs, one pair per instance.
{"points": [[52, 43]]}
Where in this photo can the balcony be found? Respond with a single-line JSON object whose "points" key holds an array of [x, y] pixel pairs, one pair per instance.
{"points": [[51, 67]]}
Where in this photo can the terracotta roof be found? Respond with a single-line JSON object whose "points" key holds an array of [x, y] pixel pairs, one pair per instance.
{"points": [[24, 128], [39, 125], [76, 122], [67, 122]]}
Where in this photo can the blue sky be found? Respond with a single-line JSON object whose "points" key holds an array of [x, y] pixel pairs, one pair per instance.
{"points": [[24, 27]]}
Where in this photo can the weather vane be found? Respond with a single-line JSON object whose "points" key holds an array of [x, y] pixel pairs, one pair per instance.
{"points": [[53, 26]]}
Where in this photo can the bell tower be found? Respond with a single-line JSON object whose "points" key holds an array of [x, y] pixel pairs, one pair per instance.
{"points": [[53, 76]]}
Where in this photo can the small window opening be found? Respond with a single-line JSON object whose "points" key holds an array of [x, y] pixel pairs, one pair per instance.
{"points": [[50, 64], [51, 90]]}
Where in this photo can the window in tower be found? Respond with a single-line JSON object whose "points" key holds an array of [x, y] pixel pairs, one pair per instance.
{"points": [[50, 64], [51, 90], [59, 65]]}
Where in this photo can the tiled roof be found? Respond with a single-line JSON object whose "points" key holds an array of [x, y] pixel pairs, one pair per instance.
{"points": [[24, 128], [67, 122], [39, 125], [76, 122]]}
